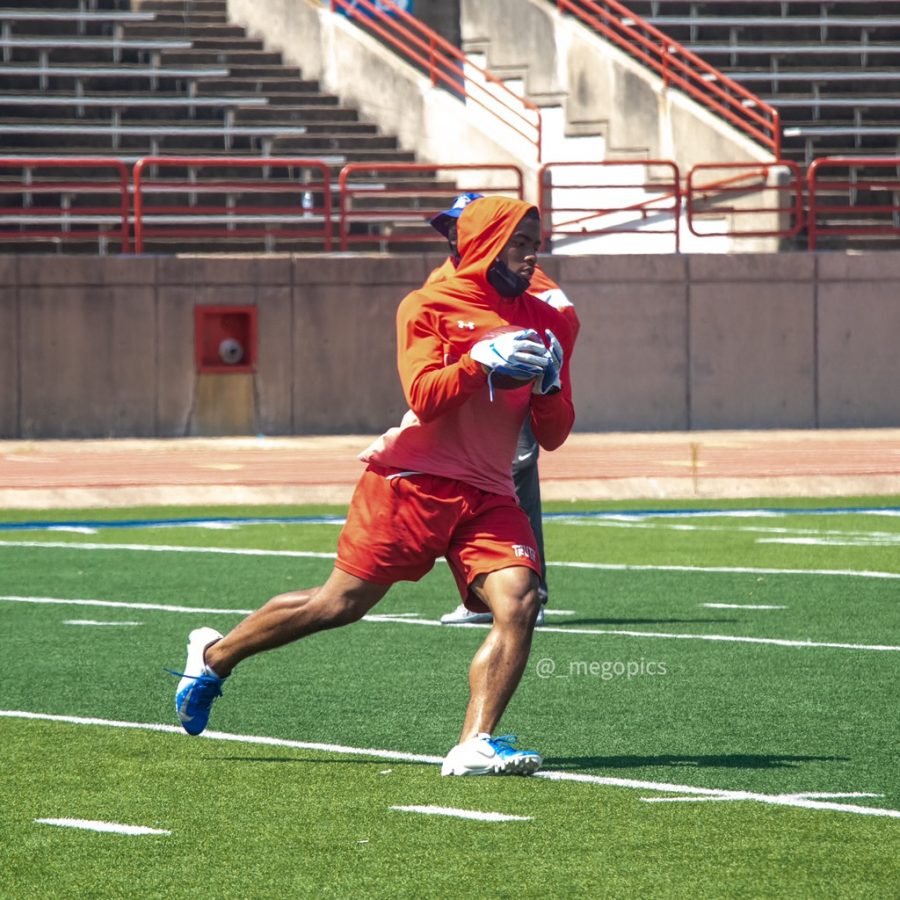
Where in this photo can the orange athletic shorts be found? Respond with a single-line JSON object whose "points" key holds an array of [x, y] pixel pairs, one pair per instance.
{"points": [[398, 524]]}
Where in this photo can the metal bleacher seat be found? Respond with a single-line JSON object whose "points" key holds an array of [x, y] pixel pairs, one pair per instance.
{"points": [[152, 76], [86, 50], [112, 134]]}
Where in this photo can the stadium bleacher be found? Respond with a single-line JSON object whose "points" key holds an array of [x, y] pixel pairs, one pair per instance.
{"points": [[97, 78], [830, 67], [800, 56]]}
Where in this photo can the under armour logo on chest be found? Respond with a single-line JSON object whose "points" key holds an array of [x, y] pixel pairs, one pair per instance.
{"points": [[469, 325]]}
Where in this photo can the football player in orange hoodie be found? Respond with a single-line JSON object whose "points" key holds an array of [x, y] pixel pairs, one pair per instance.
{"points": [[440, 484], [525, 460]]}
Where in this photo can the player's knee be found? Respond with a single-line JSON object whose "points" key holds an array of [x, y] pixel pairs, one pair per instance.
{"points": [[519, 609]]}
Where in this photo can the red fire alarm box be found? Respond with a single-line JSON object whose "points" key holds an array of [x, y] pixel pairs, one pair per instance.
{"points": [[225, 338]]}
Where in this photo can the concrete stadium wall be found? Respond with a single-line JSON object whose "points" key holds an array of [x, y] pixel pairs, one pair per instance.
{"points": [[104, 347]]}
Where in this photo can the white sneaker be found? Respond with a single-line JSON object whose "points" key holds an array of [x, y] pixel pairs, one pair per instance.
{"points": [[463, 616], [485, 755]]}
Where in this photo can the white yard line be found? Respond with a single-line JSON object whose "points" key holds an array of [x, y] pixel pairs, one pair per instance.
{"points": [[95, 622], [803, 801], [404, 619], [109, 827], [815, 795], [305, 554], [462, 813], [831, 541], [740, 606], [727, 638], [728, 570]]}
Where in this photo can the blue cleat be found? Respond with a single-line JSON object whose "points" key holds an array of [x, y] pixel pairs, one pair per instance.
{"points": [[199, 685], [484, 755]]}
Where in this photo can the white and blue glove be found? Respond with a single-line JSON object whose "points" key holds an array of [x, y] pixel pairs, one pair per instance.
{"points": [[549, 382], [519, 354]]}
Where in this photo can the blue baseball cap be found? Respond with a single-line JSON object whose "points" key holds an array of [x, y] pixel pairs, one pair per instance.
{"points": [[441, 222]]}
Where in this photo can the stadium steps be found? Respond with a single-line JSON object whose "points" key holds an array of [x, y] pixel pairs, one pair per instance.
{"points": [[809, 60]]}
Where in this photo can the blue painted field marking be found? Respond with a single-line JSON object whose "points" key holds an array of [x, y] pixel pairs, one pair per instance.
{"points": [[232, 521]]}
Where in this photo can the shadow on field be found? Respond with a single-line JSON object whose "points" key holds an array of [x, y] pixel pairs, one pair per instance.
{"points": [[724, 761]]}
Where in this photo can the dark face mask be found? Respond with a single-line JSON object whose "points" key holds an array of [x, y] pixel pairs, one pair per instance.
{"points": [[504, 281]]}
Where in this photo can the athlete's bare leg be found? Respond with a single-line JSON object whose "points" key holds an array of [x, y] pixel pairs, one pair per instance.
{"points": [[341, 600], [512, 596]]}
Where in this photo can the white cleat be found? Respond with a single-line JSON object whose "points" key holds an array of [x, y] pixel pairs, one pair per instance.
{"points": [[491, 756], [463, 616]]}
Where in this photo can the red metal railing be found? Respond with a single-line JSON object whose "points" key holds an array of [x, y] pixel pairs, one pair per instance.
{"points": [[35, 207], [882, 193], [681, 68], [381, 202], [303, 209], [656, 213], [373, 194], [720, 198], [447, 66]]}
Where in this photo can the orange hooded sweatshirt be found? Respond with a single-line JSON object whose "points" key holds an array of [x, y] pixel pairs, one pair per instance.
{"points": [[452, 428], [542, 286]]}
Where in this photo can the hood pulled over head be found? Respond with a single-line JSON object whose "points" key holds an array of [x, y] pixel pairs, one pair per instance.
{"points": [[484, 229]]}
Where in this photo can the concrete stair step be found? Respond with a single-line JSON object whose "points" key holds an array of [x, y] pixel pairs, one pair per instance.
{"points": [[314, 117], [262, 60], [193, 17], [185, 30], [330, 128], [306, 114], [335, 143], [193, 7], [264, 85]]}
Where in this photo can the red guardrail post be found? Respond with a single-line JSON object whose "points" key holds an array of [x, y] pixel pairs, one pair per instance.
{"points": [[812, 217], [125, 206], [776, 133], [678, 199], [138, 207]]}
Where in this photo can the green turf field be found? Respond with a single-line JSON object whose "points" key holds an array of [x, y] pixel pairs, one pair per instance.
{"points": [[716, 696]]}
